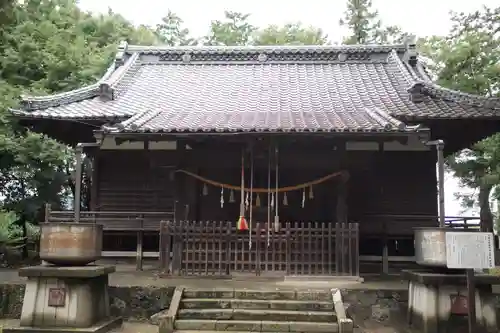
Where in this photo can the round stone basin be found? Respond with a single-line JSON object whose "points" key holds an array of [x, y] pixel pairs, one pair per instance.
{"points": [[70, 244]]}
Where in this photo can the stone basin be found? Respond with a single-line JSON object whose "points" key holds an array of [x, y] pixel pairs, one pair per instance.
{"points": [[70, 243]]}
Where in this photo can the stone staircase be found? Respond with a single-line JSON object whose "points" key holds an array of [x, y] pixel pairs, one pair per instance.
{"points": [[244, 310]]}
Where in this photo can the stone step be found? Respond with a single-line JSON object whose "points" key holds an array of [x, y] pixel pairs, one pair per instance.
{"points": [[258, 294], [226, 303], [254, 326], [258, 315]]}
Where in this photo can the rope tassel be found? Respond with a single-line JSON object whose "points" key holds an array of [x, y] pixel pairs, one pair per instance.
{"points": [[222, 197], [242, 222]]}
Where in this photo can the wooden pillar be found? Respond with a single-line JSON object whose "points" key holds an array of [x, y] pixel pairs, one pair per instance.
{"points": [[341, 241], [196, 197], [140, 232], [385, 246], [78, 181], [179, 184], [94, 181], [341, 214]]}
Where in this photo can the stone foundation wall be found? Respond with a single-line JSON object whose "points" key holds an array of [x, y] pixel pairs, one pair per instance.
{"points": [[133, 303], [140, 303]]}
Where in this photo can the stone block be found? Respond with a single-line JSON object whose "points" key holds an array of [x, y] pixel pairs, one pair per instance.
{"points": [[283, 315], [275, 326], [205, 314], [205, 303], [301, 305], [250, 304], [313, 296], [89, 271], [346, 325], [108, 325], [158, 317], [195, 325], [213, 293], [236, 325], [313, 327], [264, 294]]}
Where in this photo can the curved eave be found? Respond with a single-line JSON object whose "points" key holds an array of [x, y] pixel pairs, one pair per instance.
{"points": [[426, 85], [104, 87], [25, 115], [423, 134]]}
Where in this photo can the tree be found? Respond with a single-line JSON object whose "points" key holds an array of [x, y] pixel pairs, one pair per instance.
{"points": [[233, 30], [468, 59], [48, 46], [365, 27], [290, 34], [236, 30], [170, 31]]}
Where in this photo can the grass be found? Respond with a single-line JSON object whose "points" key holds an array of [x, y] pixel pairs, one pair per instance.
{"points": [[494, 271]]}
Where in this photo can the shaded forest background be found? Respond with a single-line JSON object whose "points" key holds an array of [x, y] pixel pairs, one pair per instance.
{"points": [[49, 46]]}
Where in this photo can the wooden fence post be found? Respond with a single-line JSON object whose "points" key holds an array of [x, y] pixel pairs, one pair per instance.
{"points": [[258, 244], [228, 246], [288, 248], [47, 212], [139, 249]]}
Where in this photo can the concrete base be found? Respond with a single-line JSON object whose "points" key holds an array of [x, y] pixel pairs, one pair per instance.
{"points": [[101, 327], [430, 301], [61, 299]]}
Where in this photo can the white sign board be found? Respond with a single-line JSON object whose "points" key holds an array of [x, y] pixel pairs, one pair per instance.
{"points": [[470, 250]]}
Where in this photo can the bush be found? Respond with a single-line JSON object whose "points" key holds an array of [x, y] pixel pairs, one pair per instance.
{"points": [[11, 236]]}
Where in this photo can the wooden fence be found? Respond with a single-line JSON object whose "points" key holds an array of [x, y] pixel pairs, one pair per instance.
{"points": [[214, 248], [383, 227], [390, 228]]}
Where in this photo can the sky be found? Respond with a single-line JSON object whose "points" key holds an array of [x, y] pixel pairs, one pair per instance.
{"points": [[422, 18]]}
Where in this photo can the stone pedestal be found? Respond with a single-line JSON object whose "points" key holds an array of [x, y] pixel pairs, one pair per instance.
{"points": [[431, 297], [66, 299]]}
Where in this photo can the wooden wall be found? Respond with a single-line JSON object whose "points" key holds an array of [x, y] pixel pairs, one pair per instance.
{"points": [[400, 183], [133, 181]]}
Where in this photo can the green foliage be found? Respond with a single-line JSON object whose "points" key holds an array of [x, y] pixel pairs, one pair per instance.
{"points": [[365, 26], [468, 60], [290, 34], [10, 233], [233, 30], [170, 31], [47, 46]]}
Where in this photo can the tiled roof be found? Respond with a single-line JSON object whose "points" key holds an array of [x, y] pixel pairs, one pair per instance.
{"points": [[287, 88], [275, 97]]}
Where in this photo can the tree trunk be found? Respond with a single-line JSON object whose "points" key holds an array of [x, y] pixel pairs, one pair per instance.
{"points": [[484, 209]]}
